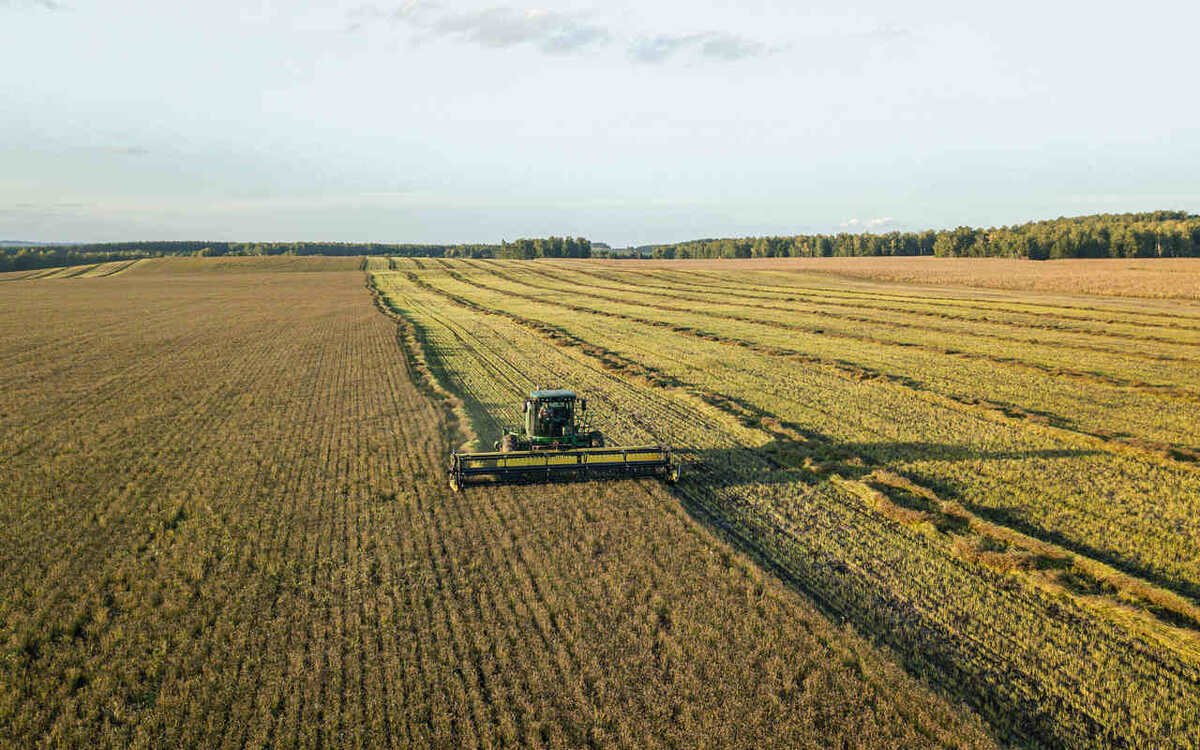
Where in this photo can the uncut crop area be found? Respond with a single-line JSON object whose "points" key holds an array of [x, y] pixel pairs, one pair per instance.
{"points": [[909, 516]]}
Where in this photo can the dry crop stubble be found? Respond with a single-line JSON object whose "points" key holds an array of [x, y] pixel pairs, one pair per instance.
{"points": [[1044, 646], [1105, 362], [225, 521], [1036, 474], [1162, 412], [1159, 278]]}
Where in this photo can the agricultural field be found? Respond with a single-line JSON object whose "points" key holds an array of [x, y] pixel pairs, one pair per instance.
{"points": [[1177, 278], [910, 515], [1000, 489], [224, 521]]}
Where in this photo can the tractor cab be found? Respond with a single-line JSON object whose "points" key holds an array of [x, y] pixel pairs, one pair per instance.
{"points": [[550, 416]]}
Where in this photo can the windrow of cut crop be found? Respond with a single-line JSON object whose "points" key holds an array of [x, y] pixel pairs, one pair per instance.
{"points": [[1070, 482], [1117, 372], [894, 325], [481, 354], [1143, 424], [831, 548], [1100, 310], [1064, 471], [969, 310]]}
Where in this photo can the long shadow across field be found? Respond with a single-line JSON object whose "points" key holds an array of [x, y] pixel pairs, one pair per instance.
{"points": [[948, 654], [815, 457]]}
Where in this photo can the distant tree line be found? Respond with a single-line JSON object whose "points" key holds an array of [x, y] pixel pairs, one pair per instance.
{"points": [[547, 247], [1157, 234], [52, 256]]}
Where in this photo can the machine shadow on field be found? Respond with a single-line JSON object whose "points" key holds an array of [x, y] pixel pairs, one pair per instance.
{"points": [[816, 458], [812, 460]]}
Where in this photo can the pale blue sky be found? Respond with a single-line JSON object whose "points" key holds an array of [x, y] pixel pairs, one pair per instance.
{"points": [[626, 122]]}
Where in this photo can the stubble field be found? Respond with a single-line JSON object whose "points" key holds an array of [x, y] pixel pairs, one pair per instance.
{"points": [[909, 515]]}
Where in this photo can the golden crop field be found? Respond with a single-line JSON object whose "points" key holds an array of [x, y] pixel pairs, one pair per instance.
{"points": [[1133, 277], [909, 515]]}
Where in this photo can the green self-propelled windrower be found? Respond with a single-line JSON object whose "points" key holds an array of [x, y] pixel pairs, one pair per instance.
{"points": [[555, 442]]}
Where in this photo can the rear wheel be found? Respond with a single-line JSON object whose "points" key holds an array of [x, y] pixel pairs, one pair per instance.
{"points": [[508, 444], [597, 440]]}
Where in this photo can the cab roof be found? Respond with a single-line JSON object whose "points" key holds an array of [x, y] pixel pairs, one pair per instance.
{"points": [[560, 394]]}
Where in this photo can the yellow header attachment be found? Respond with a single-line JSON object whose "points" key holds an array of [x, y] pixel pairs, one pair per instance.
{"points": [[642, 460]]}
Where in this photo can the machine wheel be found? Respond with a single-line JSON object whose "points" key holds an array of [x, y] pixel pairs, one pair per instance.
{"points": [[596, 441], [508, 444]]}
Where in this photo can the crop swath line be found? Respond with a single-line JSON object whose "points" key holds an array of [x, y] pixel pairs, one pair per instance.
{"points": [[800, 294], [941, 297], [119, 268], [1086, 725], [946, 378], [1012, 312], [531, 523], [1166, 391], [654, 344], [572, 655], [855, 371], [556, 335], [883, 321]]}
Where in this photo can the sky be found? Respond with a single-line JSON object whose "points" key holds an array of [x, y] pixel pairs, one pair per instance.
{"points": [[624, 122]]}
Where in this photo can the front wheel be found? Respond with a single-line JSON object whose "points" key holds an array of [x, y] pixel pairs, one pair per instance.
{"points": [[596, 441], [508, 444]]}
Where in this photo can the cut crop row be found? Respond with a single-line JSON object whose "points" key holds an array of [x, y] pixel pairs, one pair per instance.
{"points": [[938, 611]]}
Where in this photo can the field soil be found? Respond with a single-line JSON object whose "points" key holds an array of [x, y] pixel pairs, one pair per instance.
{"points": [[224, 521]]}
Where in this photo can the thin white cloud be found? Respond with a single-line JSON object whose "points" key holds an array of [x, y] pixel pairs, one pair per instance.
{"points": [[723, 46], [882, 221], [40, 4], [498, 27], [711, 45], [550, 31], [658, 48], [850, 223]]}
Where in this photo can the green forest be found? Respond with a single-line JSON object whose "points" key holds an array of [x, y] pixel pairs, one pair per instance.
{"points": [[549, 247], [1157, 234], [53, 256]]}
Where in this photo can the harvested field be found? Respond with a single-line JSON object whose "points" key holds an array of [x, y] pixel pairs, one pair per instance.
{"points": [[909, 515], [1020, 502], [224, 521], [247, 264], [1177, 278]]}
